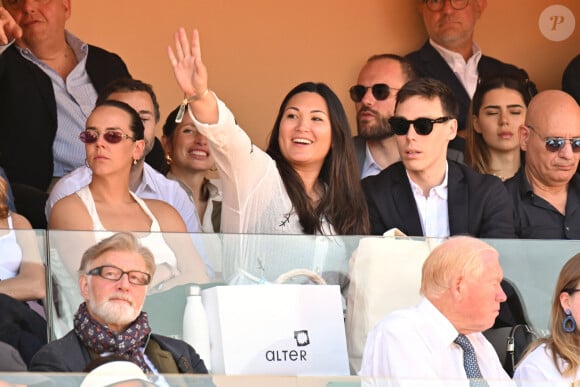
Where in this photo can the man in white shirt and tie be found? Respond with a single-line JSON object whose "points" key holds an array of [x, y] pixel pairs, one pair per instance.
{"points": [[439, 341]]}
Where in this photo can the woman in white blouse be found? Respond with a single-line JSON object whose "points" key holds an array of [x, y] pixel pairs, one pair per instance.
{"points": [[306, 182], [556, 358]]}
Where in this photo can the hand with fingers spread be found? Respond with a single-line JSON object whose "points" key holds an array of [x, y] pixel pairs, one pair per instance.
{"points": [[9, 29], [191, 76], [189, 70]]}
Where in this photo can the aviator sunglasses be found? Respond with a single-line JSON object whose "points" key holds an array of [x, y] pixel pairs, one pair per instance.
{"points": [[111, 136], [555, 144], [423, 126], [380, 91]]}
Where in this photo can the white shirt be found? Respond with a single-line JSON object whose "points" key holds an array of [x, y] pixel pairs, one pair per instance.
{"points": [[414, 346], [538, 367], [466, 72], [153, 185], [255, 200], [433, 209], [370, 167]]}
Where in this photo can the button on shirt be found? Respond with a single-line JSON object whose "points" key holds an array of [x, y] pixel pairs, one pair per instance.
{"points": [[466, 72], [415, 347], [433, 210], [75, 99], [535, 218]]}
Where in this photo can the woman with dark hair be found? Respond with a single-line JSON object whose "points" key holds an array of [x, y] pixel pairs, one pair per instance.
{"points": [[114, 141], [556, 358], [22, 283], [498, 108], [189, 159], [307, 180]]}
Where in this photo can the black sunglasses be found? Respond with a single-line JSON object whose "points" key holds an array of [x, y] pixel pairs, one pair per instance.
{"points": [[380, 91], [111, 136], [113, 273], [423, 126], [555, 144]]}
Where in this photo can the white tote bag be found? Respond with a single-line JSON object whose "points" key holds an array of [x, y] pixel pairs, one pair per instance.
{"points": [[276, 330], [385, 274]]}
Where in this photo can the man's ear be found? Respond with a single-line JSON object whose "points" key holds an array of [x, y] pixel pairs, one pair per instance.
{"points": [[452, 129], [480, 6], [524, 135], [84, 285]]}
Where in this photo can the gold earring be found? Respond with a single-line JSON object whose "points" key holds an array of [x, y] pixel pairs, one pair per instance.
{"points": [[168, 159]]}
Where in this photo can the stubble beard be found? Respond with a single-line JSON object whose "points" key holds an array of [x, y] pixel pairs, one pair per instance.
{"points": [[379, 131]]}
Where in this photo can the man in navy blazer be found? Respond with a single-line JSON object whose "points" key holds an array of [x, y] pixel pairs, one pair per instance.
{"points": [[425, 194], [451, 56]]}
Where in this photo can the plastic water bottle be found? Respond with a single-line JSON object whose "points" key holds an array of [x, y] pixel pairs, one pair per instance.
{"points": [[195, 326]]}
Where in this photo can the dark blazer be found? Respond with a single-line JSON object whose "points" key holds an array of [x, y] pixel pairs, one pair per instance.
{"points": [[478, 205], [28, 118], [427, 62], [68, 354]]}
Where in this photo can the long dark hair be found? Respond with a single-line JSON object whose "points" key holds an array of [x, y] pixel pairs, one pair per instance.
{"points": [[343, 203], [476, 153]]}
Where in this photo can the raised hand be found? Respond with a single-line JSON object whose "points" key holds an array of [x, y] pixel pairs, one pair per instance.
{"points": [[188, 68], [9, 29]]}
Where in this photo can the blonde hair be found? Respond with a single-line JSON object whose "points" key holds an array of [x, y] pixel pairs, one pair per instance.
{"points": [[459, 255], [4, 210], [563, 345], [121, 241]]}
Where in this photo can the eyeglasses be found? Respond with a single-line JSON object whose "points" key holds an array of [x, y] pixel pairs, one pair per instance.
{"points": [[437, 5], [555, 144], [90, 136], [571, 291], [423, 126], [113, 273], [380, 91]]}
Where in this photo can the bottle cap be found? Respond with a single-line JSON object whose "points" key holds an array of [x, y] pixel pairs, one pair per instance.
{"points": [[194, 290]]}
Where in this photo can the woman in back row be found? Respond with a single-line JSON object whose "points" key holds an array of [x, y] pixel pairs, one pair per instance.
{"points": [[498, 108]]}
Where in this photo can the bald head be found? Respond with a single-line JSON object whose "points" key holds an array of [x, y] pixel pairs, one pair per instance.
{"points": [[551, 108], [551, 114]]}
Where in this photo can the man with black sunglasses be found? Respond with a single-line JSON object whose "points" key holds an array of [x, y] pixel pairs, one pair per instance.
{"points": [[374, 98], [450, 54], [546, 189], [425, 194]]}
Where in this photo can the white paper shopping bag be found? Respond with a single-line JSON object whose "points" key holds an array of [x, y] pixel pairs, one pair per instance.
{"points": [[276, 330]]}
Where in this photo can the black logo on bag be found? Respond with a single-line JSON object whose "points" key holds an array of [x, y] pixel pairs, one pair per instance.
{"points": [[302, 338], [284, 355]]}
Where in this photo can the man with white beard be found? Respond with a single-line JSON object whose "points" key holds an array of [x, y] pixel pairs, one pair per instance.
{"points": [[111, 320]]}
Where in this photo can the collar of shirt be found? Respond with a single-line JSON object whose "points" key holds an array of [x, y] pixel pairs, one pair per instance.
{"points": [[80, 48], [147, 183], [439, 190], [446, 332], [466, 71], [370, 167]]}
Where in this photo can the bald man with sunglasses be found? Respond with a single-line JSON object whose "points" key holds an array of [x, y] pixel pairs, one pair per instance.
{"points": [[425, 194], [546, 189]]}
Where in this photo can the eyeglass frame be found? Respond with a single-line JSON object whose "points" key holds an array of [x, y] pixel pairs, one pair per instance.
{"points": [[427, 2], [124, 136], [373, 87], [98, 271], [430, 121], [561, 140]]}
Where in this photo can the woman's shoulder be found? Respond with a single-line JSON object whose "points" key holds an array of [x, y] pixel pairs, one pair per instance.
{"points": [[20, 222], [166, 215]]}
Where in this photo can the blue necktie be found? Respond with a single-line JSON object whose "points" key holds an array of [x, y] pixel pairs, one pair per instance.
{"points": [[470, 362]]}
